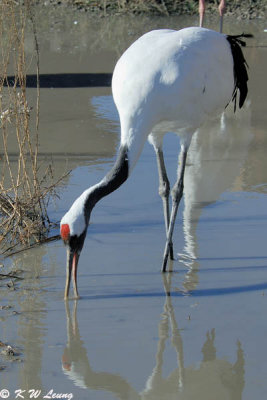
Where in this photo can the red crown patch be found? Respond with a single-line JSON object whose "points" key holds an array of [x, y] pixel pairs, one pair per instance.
{"points": [[65, 231]]}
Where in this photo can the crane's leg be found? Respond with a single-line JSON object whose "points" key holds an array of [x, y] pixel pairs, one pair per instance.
{"points": [[177, 193], [164, 192], [222, 7], [201, 12]]}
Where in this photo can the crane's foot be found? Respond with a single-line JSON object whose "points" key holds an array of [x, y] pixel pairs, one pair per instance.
{"points": [[171, 252], [67, 298], [168, 252]]}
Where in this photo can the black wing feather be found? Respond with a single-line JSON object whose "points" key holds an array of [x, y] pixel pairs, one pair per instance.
{"points": [[240, 67]]}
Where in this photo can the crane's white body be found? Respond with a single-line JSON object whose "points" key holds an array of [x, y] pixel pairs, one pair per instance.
{"points": [[181, 77], [175, 78], [165, 81]]}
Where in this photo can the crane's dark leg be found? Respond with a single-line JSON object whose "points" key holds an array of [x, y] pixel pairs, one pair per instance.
{"points": [[177, 193], [164, 192]]}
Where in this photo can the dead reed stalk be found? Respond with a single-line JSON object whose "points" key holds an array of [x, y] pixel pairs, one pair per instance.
{"points": [[23, 196]]}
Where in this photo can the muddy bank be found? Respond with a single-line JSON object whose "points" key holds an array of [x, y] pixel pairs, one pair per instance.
{"points": [[238, 8]]}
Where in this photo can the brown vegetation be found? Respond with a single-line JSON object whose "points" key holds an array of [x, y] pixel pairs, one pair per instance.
{"points": [[24, 191], [244, 9]]}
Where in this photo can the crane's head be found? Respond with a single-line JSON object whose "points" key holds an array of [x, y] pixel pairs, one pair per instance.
{"points": [[73, 228], [74, 224]]}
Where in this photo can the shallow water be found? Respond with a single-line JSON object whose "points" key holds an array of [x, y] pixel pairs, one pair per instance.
{"points": [[125, 338]]}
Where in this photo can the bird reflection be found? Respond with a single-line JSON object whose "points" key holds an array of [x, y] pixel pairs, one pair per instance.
{"points": [[212, 378], [217, 154], [76, 366]]}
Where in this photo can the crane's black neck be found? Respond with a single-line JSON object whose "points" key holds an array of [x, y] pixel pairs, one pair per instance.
{"points": [[112, 181]]}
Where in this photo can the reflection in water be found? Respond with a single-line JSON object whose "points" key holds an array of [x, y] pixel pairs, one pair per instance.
{"points": [[218, 151], [93, 46], [31, 319], [76, 366], [212, 378]]}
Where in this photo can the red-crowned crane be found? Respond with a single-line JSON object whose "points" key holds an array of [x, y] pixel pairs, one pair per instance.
{"points": [[221, 8], [176, 77]]}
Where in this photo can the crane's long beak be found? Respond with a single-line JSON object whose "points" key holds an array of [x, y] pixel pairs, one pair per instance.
{"points": [[71, 271]]}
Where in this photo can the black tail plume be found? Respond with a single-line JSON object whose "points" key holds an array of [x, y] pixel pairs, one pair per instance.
{"points": [[240, 67]]}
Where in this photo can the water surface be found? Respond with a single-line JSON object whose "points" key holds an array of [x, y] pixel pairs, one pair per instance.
{"points": [[126, 338]]}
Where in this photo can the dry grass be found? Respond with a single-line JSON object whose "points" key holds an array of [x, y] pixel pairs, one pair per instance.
{"points": [[244, 9], [24, 195], [159, 7]]}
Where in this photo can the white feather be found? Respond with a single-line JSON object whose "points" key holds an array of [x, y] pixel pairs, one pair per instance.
{"points": [[75, 217], [180, 76], [165, 81]]}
